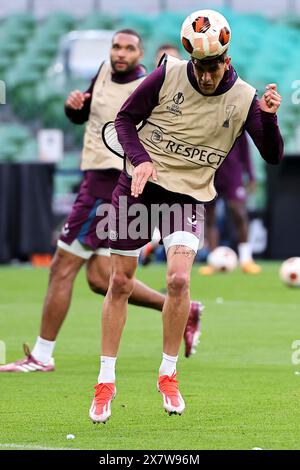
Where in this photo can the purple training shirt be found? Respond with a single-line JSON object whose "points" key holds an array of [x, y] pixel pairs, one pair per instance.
{"points": [[261, 126]]}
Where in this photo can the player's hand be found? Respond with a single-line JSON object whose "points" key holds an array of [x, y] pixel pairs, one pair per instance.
{"points": [[140, 176], [76, 99], [270, 100]]}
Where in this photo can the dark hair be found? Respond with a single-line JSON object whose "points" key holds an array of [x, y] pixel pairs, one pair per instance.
{"points": [[132, 32], [167, 46], [212, 60]]}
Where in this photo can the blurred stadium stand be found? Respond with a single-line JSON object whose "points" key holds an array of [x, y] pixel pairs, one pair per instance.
{"points": [[42, 8], [263, 49]]}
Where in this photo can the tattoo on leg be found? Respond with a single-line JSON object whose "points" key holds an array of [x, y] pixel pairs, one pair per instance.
{"points": [[187, 252]]}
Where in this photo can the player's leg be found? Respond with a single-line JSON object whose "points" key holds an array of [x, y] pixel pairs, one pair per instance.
{"points": [[240, 218], [116, 302], [181, 245], [98, 274], [238, 210], [180, 259], [75, 247], [211, 229], [98, 269], [72, 252], [144, 296], [149, 249], [63, 270], [114, 316], [211, 235], [176, 308]]}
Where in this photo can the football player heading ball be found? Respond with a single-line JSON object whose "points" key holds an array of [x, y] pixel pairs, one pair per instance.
{"points": [[193, 113]]}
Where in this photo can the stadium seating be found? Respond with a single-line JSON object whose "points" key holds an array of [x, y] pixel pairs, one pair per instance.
{"points": [[14, 141], [98, 21], [28, 47], [68, 175]]}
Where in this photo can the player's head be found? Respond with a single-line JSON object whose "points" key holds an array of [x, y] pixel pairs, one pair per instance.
{"points": [[210, 72], [205, 34], [126, 50], [167, 49]]}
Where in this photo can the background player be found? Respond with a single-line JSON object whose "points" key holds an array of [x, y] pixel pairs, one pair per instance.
{"points": [[230, 186], [168, 49]]}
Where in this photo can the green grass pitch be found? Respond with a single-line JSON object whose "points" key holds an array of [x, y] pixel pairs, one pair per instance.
{"points": [[241, 388]]}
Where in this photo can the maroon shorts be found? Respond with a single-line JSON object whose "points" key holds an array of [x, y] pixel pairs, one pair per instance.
{"points": [[230, 186], [95, 193], [133, 220], [229, 182]]}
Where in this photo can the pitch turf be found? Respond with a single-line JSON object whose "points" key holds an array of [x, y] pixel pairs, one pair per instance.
{"points": [[241, 389]]}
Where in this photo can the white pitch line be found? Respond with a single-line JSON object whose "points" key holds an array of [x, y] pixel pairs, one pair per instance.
{"points": [[32, 447]]}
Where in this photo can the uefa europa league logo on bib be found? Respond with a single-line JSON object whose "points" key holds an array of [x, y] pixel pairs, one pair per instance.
{"points": [[229, 112]]}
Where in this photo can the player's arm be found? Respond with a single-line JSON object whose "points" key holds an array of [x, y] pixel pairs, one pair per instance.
{"points": [[262, 125], [136, 109], [78, 104], [247, 163]]}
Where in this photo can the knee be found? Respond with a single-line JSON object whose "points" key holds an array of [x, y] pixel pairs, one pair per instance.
{"points": [[178, 283], [97, 283], [121, 285]]}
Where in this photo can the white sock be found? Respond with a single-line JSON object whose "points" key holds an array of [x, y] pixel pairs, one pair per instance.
{"points": [[245, 252], [107, 370], [168, 365], [43, 350]]}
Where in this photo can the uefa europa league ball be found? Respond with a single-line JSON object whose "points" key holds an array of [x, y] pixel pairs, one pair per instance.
{"points": [[289, 272], [223, 259], [205, 34]]}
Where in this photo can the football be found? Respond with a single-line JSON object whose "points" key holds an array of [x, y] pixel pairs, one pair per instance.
{"points": [[205, 34], [223, 259], [290, 272]]}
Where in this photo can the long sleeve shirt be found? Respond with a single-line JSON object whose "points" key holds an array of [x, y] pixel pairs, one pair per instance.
{"points": [[261, 126]]}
